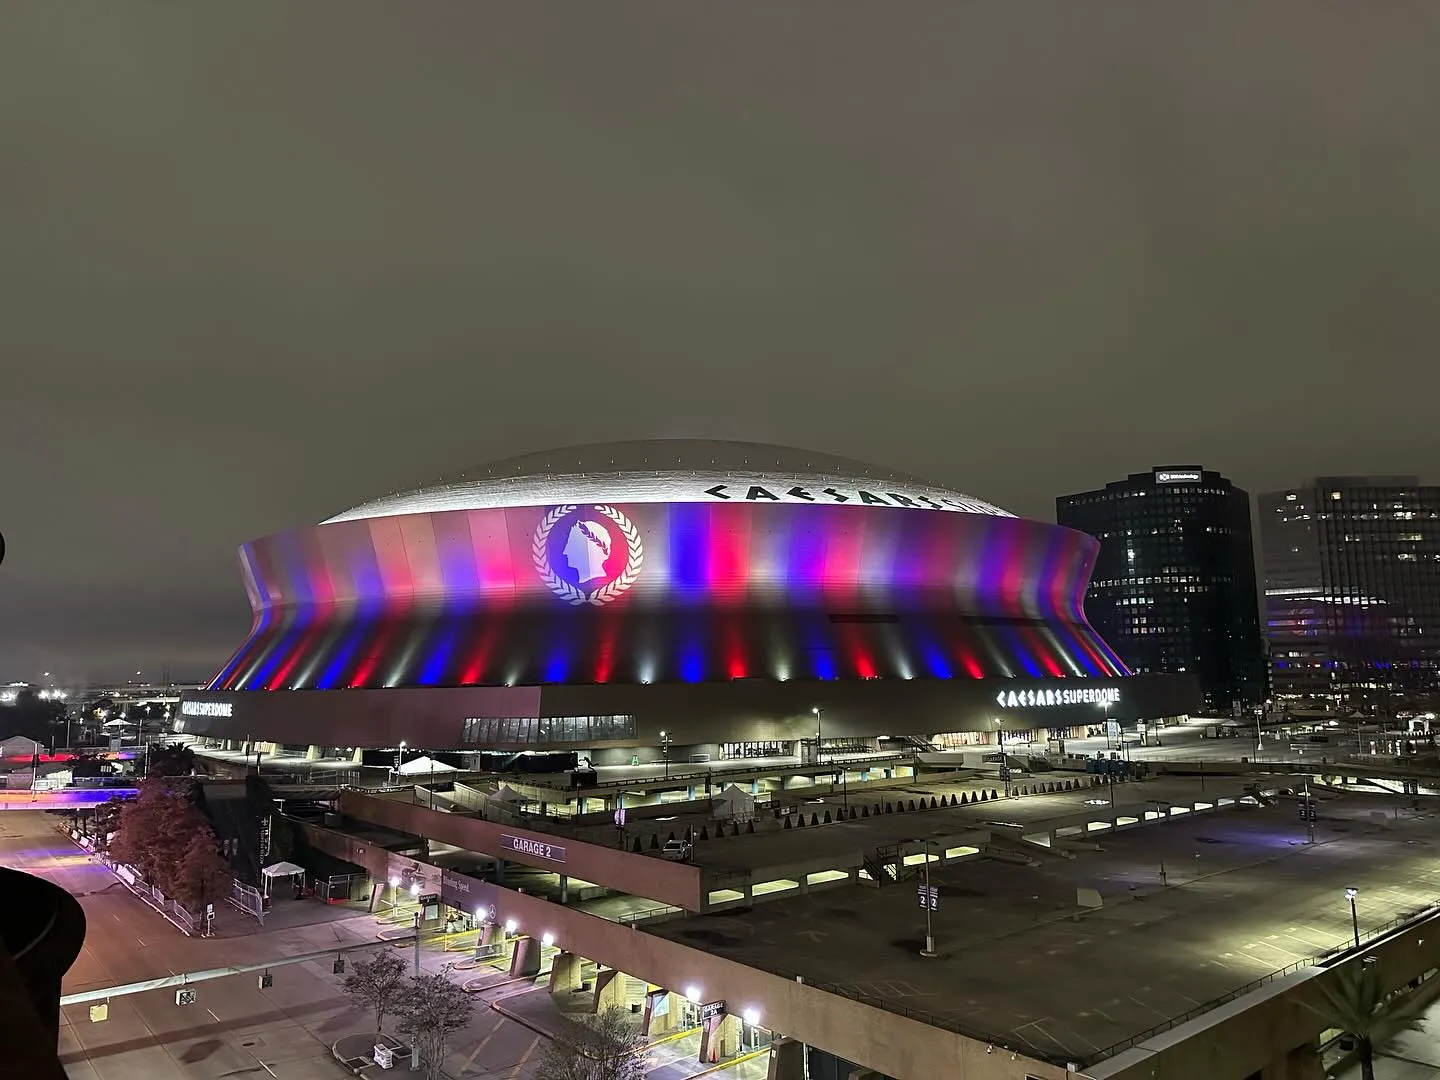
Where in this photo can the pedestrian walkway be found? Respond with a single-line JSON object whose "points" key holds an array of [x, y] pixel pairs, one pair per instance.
{"points": [[672, 1057]]}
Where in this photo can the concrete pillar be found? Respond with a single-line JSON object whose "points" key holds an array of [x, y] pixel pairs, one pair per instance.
{"points": [[787, 1060], [357, 756], [665, 1022], [609, 990], [491, 934], [690, 792], [566, 970], [564, 888], [500, 871], [726, 1038], [580, 801], [312, 753], [525, 960]]}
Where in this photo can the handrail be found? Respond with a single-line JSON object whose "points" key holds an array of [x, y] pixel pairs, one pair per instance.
{"points": [[1310, 961]]}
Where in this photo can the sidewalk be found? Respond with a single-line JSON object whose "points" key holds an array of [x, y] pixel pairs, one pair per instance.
{"points": [[672, 1056]]}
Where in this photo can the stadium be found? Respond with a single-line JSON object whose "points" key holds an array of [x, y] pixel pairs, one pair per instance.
{"points": [[699, 598]]}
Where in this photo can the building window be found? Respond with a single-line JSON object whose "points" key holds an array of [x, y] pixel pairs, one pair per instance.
{"points": [[532, 731]]}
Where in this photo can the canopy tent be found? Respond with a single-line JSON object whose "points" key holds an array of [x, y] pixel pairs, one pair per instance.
{"points": [[507, 795], [279, 870], [734, 804], [425, 765]]}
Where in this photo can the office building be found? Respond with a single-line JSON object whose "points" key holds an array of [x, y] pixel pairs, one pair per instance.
{"points": [[1173, 588], [1352, 591]]}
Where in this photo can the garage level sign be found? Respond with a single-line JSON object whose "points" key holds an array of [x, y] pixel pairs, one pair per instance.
{"points": [[535, 849]]}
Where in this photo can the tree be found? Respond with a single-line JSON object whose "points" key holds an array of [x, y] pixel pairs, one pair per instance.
{"points": [[32, 716], [106, 821], [164, 835], [176, 759], [1352, 1000], [203, 875], [377, 984], [432, 1009], [608, 1048]]}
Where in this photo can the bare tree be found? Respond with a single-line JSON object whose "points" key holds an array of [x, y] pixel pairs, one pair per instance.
{"points": [[431, 1010], [377, 984], [607, 1048]]}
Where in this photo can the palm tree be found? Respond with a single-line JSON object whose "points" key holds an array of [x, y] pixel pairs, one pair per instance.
{"points": [[1352, 1000]]}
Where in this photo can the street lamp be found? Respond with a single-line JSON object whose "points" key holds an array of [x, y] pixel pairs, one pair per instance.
{"points": [[399, 759], [929, 950], [819, 715], [1350, 895], [665, 751]]}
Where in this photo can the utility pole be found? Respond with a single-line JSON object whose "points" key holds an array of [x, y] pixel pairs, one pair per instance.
{"points": [[417, 941]]}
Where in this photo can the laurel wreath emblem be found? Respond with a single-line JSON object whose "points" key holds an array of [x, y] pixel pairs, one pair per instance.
{"points": [[540, 555]]}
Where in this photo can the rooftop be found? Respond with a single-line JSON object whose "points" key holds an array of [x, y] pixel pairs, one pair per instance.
{"points": [[647, 470], [1021, 963]]}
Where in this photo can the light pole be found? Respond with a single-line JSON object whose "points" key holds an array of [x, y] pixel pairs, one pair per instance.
{"points": [[665, 752], [929, 892], [818, 716], [1350, 895], [399, 760]]}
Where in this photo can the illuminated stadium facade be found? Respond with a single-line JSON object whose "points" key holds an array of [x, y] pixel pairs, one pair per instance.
{"points": [[592, 597]]}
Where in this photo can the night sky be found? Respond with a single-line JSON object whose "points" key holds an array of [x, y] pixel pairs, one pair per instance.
{"points": [[261, 261]]}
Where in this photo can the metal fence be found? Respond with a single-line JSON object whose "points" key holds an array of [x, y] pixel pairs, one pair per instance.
{"points": [[248, 899], [340, 888]]}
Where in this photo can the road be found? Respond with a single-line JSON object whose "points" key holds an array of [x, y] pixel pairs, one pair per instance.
{"points": [[236, 1029]]}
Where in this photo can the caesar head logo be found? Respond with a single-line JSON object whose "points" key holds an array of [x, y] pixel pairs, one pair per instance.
{"points": [[587, 554]]}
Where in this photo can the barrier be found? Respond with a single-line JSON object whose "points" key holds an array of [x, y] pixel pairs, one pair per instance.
{"points": [[248, 899]]}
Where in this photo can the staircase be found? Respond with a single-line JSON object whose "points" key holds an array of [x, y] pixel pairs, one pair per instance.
{"points": [[883, 865]]}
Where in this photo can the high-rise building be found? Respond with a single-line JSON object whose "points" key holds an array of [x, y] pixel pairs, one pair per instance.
{"points": [[1352, 590], [1174, 586]]}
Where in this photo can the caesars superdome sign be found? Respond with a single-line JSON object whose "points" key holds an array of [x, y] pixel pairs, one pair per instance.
{"points": [[758, 492]]}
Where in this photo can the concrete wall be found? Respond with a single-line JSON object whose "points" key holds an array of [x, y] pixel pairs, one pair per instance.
{"points": [[758, 710], [673, 883]]}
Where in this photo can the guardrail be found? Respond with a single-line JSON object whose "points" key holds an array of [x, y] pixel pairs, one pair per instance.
{"points": [[1316, 960]]}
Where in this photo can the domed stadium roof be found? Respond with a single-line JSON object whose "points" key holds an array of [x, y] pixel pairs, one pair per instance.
{"points": [[663, 470]]}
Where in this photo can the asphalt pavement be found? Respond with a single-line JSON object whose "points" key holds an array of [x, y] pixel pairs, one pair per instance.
{"points": [[237, 1028]]}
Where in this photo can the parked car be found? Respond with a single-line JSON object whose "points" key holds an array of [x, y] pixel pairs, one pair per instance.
{"points": [[675, 850]]}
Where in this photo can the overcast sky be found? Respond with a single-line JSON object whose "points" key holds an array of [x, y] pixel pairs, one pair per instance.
{"points": [[261, 261]]}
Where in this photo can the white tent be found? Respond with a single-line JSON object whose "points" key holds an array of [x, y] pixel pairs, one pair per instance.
{"points": [[507, 795], [425, 765], [279, 870], [734, 804], [20, 746]]}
